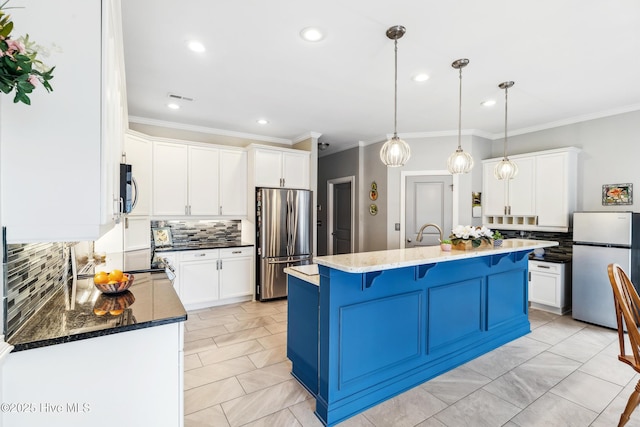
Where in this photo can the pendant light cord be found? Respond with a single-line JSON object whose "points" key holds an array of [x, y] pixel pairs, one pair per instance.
{"points": [[506, 91], [395, 92], [460, 112]]}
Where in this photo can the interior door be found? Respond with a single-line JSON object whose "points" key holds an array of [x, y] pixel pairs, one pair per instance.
{"points": [[341, 233], [429, 199]]}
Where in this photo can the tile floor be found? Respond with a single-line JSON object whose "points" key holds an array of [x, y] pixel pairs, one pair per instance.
{"points": [[564, 373]]}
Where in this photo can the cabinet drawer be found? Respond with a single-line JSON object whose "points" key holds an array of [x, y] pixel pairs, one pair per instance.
{"points": [[199, 255], [546, 267], [236, 252]]}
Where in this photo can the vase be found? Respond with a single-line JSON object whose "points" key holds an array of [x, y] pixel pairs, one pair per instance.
{"points": [[497, 242], [446, 247], [467, 245]]}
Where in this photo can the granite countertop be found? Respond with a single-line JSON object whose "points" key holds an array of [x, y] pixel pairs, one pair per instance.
{"points": [[396, 258], [80, 311], [202, 245], [308, 273]]}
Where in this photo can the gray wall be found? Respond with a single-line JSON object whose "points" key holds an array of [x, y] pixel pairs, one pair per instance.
{"points": [[610, 154], [373, 236], [338, 165]]}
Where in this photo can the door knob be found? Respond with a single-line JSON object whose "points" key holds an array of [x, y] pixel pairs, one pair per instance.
{"points": [[408, 240]]}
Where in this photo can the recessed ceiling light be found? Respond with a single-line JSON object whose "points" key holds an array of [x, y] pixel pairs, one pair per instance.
{"points": [[262, 121], [173, 106], [420, 77], [195, 46], [312, 34], [488, 103]]}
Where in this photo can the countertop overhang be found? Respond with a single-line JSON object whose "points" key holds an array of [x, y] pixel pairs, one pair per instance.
{"points": [[365, 262]]}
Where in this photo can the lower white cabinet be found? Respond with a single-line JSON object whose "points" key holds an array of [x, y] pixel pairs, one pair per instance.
{"points": [[205, 278], [550, 286]]}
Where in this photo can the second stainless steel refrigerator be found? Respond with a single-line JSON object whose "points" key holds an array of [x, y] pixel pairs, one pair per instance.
{"points": [[283, 237]]}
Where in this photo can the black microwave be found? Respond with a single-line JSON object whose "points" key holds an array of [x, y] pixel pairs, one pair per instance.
{"points": [[128, 190]]}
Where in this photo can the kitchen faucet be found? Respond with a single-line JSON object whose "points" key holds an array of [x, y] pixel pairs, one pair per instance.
{"points": [[419, 238]]}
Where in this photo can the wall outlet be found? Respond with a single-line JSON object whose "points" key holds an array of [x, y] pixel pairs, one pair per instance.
{"points": [[397, 226]]}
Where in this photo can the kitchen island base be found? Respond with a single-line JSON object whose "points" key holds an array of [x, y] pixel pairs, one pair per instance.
{"points": [[363, 338]]}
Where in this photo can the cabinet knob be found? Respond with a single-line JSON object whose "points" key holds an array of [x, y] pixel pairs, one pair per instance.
{"points": [[236, 252]]}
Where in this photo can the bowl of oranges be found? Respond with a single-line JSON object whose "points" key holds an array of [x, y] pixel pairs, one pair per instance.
{"points": [[114, 305], [113, 282]]}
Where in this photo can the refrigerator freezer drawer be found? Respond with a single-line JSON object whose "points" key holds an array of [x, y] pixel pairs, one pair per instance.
{"points": [[273, 280]]}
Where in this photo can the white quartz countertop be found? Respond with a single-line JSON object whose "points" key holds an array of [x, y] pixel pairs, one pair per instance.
{"points": [[365, 262], [308, 273]]}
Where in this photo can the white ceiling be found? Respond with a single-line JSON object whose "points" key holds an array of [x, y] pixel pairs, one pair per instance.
{"points": [[570, 60]]}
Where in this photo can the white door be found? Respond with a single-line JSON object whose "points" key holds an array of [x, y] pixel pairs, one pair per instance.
{"points": [[522, 188], [236, 278], [169, 179], [429, 199], [198, 282], [203, 181], [295, 170], [493, 191], [233, 182], [268, 168]]}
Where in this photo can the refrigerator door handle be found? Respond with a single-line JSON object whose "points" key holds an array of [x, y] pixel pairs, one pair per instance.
{"points": [[288, 261]]}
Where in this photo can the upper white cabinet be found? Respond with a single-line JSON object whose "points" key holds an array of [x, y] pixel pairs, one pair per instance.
{"points": [[198, 180], [541, 197], [137, 150], [279, 167], [60, 155]]}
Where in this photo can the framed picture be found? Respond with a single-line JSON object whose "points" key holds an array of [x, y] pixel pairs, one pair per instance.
{"points": [[617, 194], [162, 237]]}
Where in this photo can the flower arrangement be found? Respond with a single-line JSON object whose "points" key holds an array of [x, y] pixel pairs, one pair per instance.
{"points": [[477, 236], [20, 68]]}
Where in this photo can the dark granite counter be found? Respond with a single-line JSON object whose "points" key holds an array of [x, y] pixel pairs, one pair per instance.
{"points": [[201, 245], [551, 257], [79, 311]]}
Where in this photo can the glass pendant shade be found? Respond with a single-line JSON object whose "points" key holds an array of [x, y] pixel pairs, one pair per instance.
{"points": [[460, 162], [506, 169], [395, 152]]}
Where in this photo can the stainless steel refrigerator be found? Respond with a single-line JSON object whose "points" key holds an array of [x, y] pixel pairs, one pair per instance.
{"points": [[283, 237], [602, 238]]}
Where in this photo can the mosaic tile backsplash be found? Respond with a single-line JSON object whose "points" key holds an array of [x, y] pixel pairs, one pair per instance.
{"points": [[192, 233], [33, 273], [565, 240]]}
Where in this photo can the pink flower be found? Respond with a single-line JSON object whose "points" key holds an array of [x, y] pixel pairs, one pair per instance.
{"points": [[15, 46], [33, 80]]}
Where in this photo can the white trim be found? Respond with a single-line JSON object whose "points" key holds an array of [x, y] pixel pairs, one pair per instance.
{"points": [[207, 130], [455, 209], [330, 183], [306, 136]]}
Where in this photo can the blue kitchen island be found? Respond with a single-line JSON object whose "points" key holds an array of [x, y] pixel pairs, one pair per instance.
{"points": [[372, 325]]}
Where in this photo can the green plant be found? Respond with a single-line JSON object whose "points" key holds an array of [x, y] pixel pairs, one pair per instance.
{"points": [[446, 242], [20, 68], [497, 235]]}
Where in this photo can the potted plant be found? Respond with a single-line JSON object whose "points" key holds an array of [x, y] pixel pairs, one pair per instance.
{"points": [[445, 245], [497, 238]]}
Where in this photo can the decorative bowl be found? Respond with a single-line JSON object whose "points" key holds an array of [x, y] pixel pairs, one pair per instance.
{"points": [[117, 287]]}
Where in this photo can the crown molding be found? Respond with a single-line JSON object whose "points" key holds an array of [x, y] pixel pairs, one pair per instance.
{"points": [[306, 136]]}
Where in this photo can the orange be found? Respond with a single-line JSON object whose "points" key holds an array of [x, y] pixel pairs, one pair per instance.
{"points": [[116, 312], [101, 278], [99, 312], [115, 275], [112, 282]]}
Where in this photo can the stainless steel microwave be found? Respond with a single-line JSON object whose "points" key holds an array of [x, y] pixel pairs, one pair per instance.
{"points": [[128, 189]]}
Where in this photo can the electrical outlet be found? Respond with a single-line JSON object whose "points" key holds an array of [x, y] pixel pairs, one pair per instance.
{"points": [[397, 226]]}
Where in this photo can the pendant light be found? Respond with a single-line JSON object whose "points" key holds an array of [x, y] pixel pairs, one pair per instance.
{"points": [[459, 161], [395, 152], [506, 169]]}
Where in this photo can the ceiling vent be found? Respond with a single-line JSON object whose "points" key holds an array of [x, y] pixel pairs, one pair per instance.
{"points": [[180, 97]]}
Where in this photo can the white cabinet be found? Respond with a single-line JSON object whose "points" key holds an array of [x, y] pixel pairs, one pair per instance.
{"points": [[137, 153], [60, 155], [280, 168], [198, 180], [550, 286], [209, 277], [541, 197], [236, 272]]}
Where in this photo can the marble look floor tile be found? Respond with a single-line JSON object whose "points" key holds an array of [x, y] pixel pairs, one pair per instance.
{"points": [[555, 331], [479, 409], [269, 357], [265, 377], [236, 337], [553, 411], [405, 410], [199, 345], [586, 390], [222, 311], [538, 318], [211, 394], [204, 333], [209, 417], [253, 314], [611, 415], [192, 361], [280, 317], [431, 422], [275, 340], [584, 344], [455, 384], [220, 354], [356, 421], [263, 402], [253, 323], [275, 328], [263, 307], [507, 357], [194, 323], [527, 382], [282, 418], [210, 373], [609, 368], [304, 412]]}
